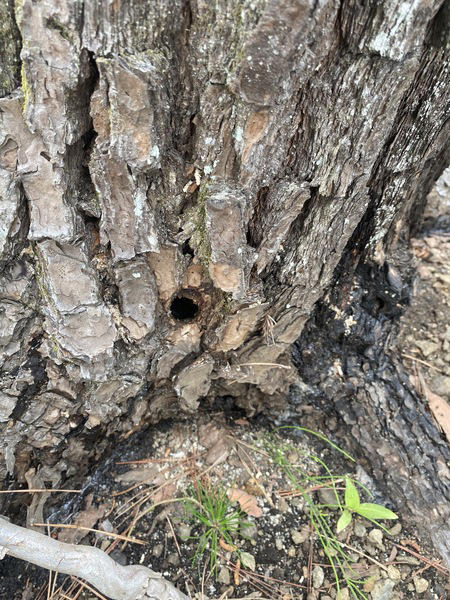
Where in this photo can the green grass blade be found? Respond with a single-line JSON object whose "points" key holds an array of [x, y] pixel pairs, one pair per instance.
{"points": [[320, 436]]}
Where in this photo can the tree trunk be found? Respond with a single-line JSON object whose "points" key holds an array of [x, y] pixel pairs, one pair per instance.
{"points": [[179, 181]]}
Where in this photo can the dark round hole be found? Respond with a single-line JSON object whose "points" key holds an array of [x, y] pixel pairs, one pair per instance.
{"points": [[183, 308]]}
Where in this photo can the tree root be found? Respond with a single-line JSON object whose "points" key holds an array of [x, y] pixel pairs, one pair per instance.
{"points": [[92, 564]]}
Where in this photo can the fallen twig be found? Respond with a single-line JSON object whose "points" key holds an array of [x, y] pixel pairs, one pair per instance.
{"points": [[424, 559], [116, 536], [35, 490]]}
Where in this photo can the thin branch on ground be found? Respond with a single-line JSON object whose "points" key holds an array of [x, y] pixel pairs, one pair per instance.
{"points": [[36, 490], [117, 536], [436, 565]]}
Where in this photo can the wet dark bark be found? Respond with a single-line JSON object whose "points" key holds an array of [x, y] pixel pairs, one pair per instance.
{"points": [[179, 182]]}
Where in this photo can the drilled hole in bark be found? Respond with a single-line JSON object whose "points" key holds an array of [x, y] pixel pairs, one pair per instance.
{"points": [[183, 308], [186, 248]]}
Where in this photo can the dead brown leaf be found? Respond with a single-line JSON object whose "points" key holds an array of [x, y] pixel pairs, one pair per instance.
{"points": [[440, 409], [225, 546], [247, 502]]}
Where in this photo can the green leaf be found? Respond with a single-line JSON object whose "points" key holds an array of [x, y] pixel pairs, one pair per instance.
{"points": [[352, 501], [247, 560], [344, 520], [375, 511]]}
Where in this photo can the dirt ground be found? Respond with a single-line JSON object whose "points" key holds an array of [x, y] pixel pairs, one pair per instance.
{"points": [[136, 491], [227, 451], [424, 339]]}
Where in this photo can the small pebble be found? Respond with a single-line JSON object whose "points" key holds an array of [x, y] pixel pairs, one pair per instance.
{"points": [[184, 531], [327, 496], [318, 576], [410, 560], [359, 529], [173, 559], [383, 590], [250, 531], [279, 573], [106, 525], [224, 576], [298, 537], [393, 573], [279, 544], [396, 529], [420, 584], [376, 537], [282, 505], [157, 550], [405, 572], [371, 549], [343, 594], [298, 502], [369, 583], [291, 552]]}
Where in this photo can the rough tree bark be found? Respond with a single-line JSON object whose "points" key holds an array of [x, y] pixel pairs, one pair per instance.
{"points": [[179, 181]]}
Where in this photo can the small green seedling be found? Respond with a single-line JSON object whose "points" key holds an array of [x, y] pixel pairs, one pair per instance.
{"points": [[302, 480], [219, 522], [352, 504]]}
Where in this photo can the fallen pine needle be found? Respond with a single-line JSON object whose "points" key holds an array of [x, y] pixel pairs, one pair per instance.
{"points": [[423, 362], [116, 536], [264, 364], [88, 587], [429, 562], [314, 488], [35, 490]]}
